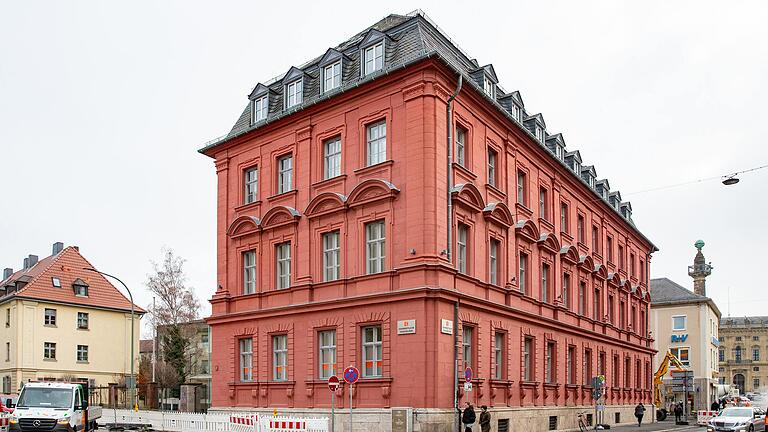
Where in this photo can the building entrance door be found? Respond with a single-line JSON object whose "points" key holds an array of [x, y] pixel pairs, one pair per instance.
{"points": [[738, 381]]}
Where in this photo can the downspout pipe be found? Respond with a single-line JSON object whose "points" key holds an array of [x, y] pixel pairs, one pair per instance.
{"points": [[448, 249]]}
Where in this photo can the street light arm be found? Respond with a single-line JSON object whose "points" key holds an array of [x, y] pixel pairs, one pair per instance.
{"points": [[130, 295]]}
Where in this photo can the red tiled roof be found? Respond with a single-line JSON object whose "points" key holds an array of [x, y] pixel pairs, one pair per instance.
{"points": [[68, 265]]}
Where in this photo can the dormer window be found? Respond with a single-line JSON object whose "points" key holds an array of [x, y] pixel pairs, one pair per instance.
{"points": [[332, 76], [373, 58], [559, 151], [489, 87], [293, 93], [80, 288], [539, 133], [576, 166], [515, 112], [591, 181], [260, 108]]}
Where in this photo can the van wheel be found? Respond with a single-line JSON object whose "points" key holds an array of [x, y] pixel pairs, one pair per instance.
{"points": [[751, 428]]}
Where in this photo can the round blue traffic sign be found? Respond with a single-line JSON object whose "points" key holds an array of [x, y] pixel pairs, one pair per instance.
{"points": [[468, 374], [351, 375]]}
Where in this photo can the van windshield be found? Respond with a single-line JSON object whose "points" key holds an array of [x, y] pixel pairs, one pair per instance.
{"points": [[32, 397]]}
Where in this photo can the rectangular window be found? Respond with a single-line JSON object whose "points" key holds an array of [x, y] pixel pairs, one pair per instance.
{"points": [[332, 76], [622, 315], [8, 317], [488, 87], [601, 363], [332, 158], [567, 290], [461, 248], [682, 354], [610, 309], [582, 298], [597, 310], [82, 320], [634, 318], [81, 290], [549, 363], [82, 353], [627, 373], [251, 181], [374, 250], [521, 187], [528, 374], [492, 167], [283, 254], [642, 271], [615, 377], [7, 351], [372, 352], [632, 264], [588, 367], [621, 257], [493, 262], [280, 357], [249, 272], [609, 248], [580, 229], [570, 365], [331, 256], [246, 359], [376, 138], [721, 355], [49, 350], [50, 317], [327, 355], [499, 355], [564, 217], [461, 142], [756, 354], [260, 108], [373, 58], [678, 322], [293, 93], [56, 282], [545, 282], [285, 174], [755, 384], [543, 203], [523, 265], [467, 342], [595, 239]]}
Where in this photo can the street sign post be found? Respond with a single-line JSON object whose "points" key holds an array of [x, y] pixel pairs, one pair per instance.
{"points": [[351, 375], [333, 385]]}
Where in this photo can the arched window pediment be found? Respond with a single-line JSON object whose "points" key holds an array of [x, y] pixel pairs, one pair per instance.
{"points": [[243, 225], [371, 190], [499, 212], [279, 216], [549, 242], [601, 272], [586, 263], [326, 203], [527, 229], [570, 254], [469, 195]]}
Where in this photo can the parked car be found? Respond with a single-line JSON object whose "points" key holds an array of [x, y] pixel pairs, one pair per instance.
{"points": [[731, 419]]}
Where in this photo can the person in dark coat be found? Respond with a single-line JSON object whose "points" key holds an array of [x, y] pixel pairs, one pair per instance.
{"points": [[468, 417], [485, 419], [639, 412], [715, 406], [678, 413]]}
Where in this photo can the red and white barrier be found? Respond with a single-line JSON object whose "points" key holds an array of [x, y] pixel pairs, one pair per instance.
{"points": [[287, 425], [702, 417]]}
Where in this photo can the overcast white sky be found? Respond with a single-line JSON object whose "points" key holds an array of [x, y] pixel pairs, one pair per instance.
{"points": [[103, 106]]}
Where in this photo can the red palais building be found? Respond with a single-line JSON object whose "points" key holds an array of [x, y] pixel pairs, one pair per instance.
{"points": [[388, 205]]}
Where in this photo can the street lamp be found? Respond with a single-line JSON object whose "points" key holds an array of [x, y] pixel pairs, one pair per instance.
{"points": [[130, 296]]}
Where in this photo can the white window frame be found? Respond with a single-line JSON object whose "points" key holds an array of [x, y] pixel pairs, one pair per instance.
{"points": [[543, 203], [566, 290], [493, 261], [249, 272], [515, 112], [246, 359], [283, 260], [540, 133], [285, 173], [49, 350], [489, 87], [82, 320], [498, 347], [331, 256], [260, 108], [677, 350], [294, 93], [376, 143], [280, 357], [332, 76], [521, 178], [251, 184], [522, 264], [545, 267], [326, 342], [82, 353], [375, 243], [559, 151], [49, 317], [461, 143], [582, 309], [372, 351], [467, 342], [492, 158], [462, 236], [685, 322], [528, 355], [373, 58], [550, 354], [332, 158]]}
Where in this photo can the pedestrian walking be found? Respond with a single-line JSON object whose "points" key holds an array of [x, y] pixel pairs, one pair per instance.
{"points": [[715, 406], [485, 419], [468, 417], [639, 412], [678, 413]]}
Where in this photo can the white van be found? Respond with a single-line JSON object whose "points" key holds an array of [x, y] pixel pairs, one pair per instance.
{"points": [[54, 407]]}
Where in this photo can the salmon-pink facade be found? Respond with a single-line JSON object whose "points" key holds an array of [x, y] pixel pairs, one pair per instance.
{"points": [[294, 305]]}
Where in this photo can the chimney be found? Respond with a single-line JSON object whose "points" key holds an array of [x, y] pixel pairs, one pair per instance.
{"points": [[26, 264], [7, 273], [699, 270], [58, 247], [32, 260]]}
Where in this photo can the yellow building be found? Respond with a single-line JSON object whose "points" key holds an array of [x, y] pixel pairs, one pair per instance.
{"points": [[64, 322], [743, 353]]}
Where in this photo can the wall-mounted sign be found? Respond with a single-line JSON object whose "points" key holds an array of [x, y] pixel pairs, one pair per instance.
{"points": [[406, 327], [446, 326], [715, 341], [679, 338]]}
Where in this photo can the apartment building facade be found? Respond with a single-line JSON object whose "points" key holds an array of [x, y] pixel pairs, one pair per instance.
{"points": [[63, 322], [743, 353], [350, 233]]}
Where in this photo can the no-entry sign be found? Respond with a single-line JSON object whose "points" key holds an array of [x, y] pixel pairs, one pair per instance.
{"points": [[333, 383]]}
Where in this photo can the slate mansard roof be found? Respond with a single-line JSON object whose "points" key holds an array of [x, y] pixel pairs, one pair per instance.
{"points": [[665, 292], [407, 39]]}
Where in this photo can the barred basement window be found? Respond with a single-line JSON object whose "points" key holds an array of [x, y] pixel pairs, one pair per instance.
{"points": [[552, 423]]}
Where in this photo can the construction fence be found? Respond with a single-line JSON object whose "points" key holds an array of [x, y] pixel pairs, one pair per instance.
{"points": [[174, 421]]}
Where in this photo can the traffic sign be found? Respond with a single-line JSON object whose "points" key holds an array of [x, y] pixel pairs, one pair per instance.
{"points": [[351, 375], [333, 383], [468, 374], [467, 386]]}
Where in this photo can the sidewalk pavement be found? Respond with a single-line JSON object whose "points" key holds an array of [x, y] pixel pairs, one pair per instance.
{"points": [[659, 427]]}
